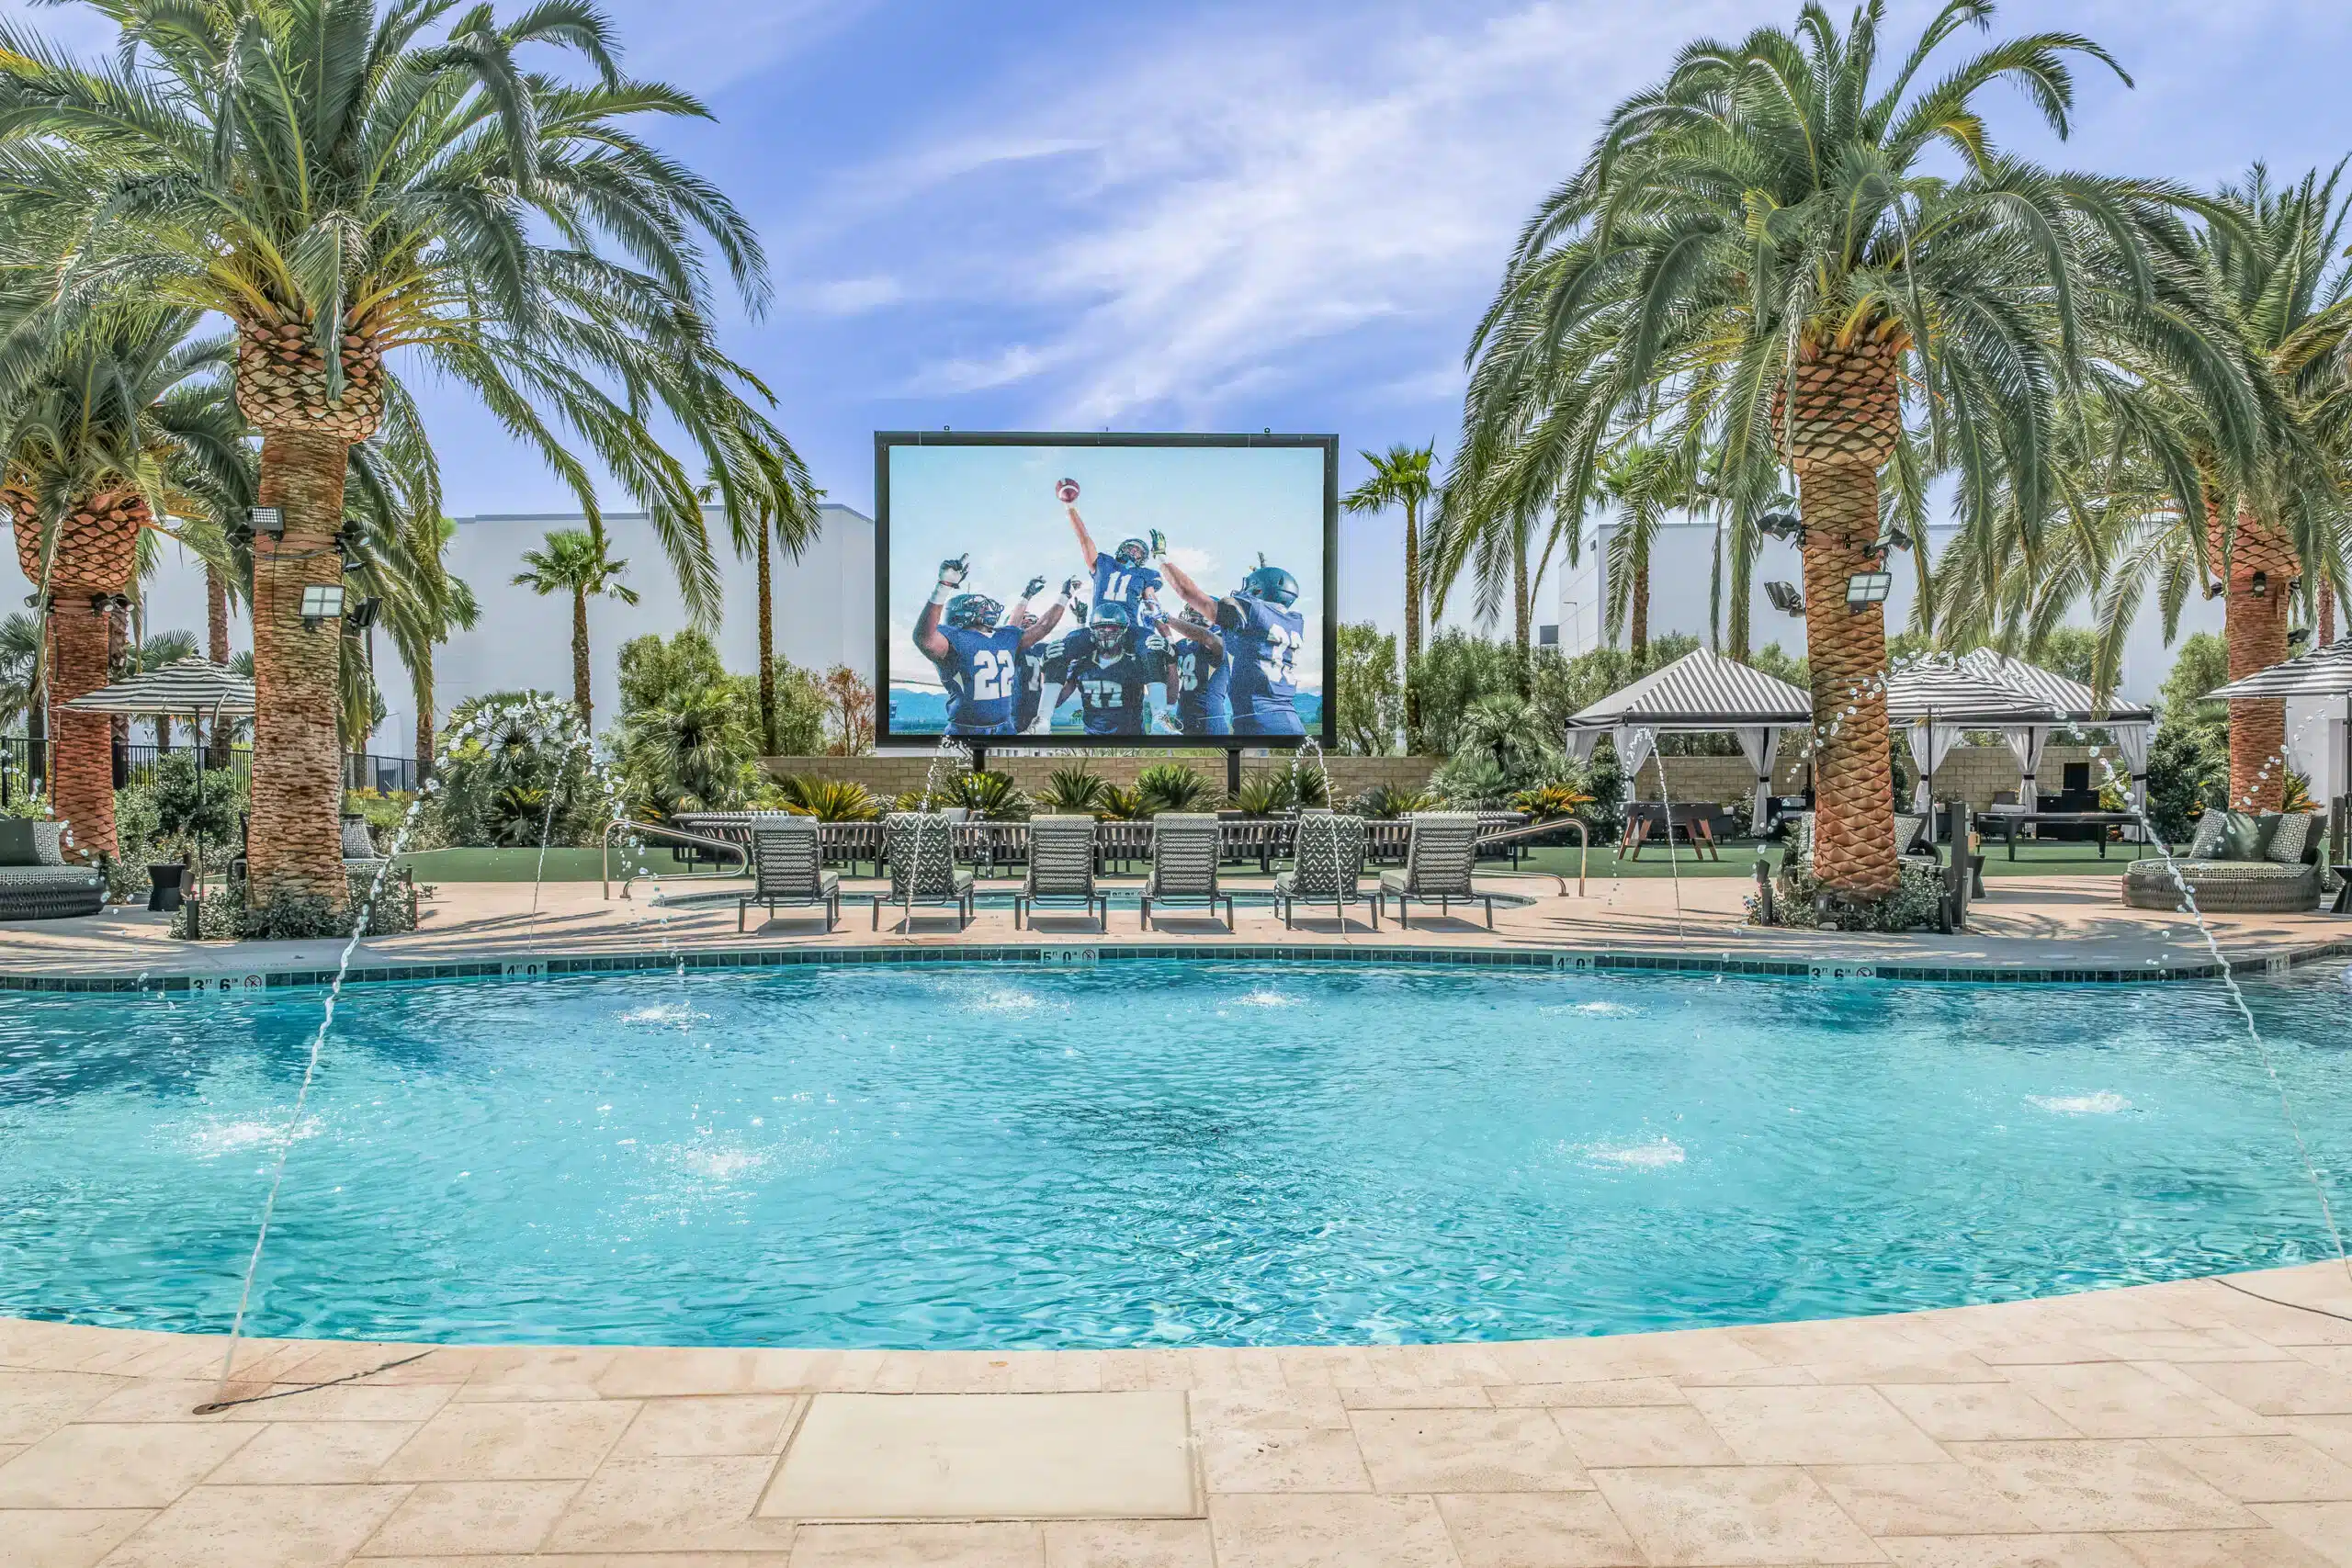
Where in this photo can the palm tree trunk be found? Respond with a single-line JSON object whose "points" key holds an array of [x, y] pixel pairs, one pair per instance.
{"points": [[82, 760], [2255, 627], [1522, 634], [580, 658], [215, 649], [2327, 633], [767, 656], [1639, 637], [1853, 841], [419, 685], [1412, 627], [118, 662], [295, 843]]}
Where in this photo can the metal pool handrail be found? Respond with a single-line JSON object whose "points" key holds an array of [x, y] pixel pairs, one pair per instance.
{"points": [[699, 840], [1583, 842]]}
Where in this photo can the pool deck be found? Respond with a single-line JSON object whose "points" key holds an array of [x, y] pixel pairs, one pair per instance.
{"points": [[2027, 924], [2177, 1425]]}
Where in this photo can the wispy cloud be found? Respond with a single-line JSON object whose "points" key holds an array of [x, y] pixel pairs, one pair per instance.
{"points": [[1213, 222]]}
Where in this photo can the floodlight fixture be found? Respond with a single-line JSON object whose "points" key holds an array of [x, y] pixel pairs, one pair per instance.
{"points": [[269, 520], [2260, 585], [1867, 588], [1785, 598], [2298, 635], [362, 614], [321, 602], [1782, 525]]}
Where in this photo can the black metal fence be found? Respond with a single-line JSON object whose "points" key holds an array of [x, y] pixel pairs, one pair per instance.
{"points": [[20, 769]]}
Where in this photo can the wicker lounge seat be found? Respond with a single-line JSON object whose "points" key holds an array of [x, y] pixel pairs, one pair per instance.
{"points": [[1329, 868], [1183, 864], [1439, 851], [2286, 880], [1062, 869], [921, 849], [36, 884], [789, 868]]}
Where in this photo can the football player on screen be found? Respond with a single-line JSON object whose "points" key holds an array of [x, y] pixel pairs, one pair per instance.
{"points": [[979, 660], [1264, 636], [1110, 673], [1200, 675], [1124, 578], [1039, 661]]}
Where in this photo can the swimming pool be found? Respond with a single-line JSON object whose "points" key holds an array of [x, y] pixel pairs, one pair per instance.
{"points": [[1147, 1153]]}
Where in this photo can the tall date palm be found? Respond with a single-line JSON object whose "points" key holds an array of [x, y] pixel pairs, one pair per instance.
{"points": [[1402, 476], [360, 184], [1762, 245]]}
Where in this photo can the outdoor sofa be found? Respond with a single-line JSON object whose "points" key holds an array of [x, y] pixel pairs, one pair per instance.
{"points": [[2237, 864], [35, 882]]}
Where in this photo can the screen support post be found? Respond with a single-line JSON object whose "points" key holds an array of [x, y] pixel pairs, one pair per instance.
{"points": [[979, 756], [1232, 772]]}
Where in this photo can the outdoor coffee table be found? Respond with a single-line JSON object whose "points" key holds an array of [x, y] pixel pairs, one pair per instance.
{"points": [[2005, 823]]}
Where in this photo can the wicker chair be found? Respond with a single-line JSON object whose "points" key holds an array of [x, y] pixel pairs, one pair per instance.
{"points": [[1062, 869], [2285, 882], [1183, 864], [1328, 865], [788, 867], [921, 849], [36, 884], [1440, 851]]}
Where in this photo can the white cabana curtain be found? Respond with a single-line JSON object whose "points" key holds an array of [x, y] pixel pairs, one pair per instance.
{"points": [[1930, 744], [1634, 744], [2026, 742], [1581, 743], [2131, 739], [1760, 744]]}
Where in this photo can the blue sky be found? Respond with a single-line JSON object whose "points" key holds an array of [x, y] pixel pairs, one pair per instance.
{"points": [[1154, 215]]}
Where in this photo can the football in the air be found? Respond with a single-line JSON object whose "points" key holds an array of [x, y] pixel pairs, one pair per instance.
{"points": [[1066, 489]]}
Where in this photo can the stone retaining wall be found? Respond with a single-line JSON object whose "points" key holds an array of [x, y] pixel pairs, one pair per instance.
{"points": [[888, 775]]}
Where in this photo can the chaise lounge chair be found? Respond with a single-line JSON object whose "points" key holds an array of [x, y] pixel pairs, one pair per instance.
{"points": [[2283, 878], [35, 882], [1439, 851], [788, 867], [922, 848], [1183, 864], [1329, 864], [1062, 869]]}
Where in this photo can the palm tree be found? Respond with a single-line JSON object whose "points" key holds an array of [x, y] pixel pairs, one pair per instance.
{"points": [[419, 609], [1402, 476], [1645, 480], [575, 561], [102, 428], [2270, 265], [349, 179], [779, 508], [1757, 256]]}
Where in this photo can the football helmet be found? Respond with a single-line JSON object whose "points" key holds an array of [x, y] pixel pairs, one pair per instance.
{"points": [[1133, 552], [1271, 584], [1110, 627], [974, 612]]}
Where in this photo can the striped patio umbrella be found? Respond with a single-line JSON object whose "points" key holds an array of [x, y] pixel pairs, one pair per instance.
{"points": [[188, 688]]}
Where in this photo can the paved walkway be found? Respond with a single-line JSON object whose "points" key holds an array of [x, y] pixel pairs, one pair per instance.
{"points": [[2027, 924], [2183, 1426]]}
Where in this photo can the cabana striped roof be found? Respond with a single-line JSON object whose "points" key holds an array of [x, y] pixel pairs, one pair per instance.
{"points": [[1957, 695], [2066, 697], [2322, 672], [1700, 690], [195, 686]]}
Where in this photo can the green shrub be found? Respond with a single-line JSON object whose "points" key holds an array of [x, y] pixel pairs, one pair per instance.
{"points": [[1473, 782], [1912, 907], [1073, 791], [1122, 804], [1171, 786], [1263, 792], [1386, 803], [989, 796], [828, 800]]}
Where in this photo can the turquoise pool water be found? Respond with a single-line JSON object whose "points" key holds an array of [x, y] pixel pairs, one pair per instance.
{"points": [[1147, 1153]]}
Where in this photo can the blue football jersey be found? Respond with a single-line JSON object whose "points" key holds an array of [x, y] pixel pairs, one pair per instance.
{"points": [[1204, 679], [1033, 660], [1112, 692], [983, 678], [1263, 642], [1115, 582]]}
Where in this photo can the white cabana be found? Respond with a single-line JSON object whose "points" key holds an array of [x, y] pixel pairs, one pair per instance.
{"points": [[1699, 692], [2322, 673], [1938, 700], [2073, 705]]}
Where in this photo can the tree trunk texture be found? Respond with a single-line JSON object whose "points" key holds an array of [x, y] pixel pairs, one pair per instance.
{"points": [[1522, 634], [420, 682], [1412, 629], [118, 666], [767, 651], [215, 649], [2326, 630], [1843, 419], [296, 845], [81, 758], [2255, 626], [1637, 637], [580, 693]]}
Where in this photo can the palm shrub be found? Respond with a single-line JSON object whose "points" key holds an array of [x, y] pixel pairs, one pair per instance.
{"points": [[1171, 786], [1474, 782], [828, 800], [1263, 792], [1074, 791], [1547, 803], [1386, 803], [344, 179], [489, 777], [989, 796], [1119, 805], [1760, 257]]}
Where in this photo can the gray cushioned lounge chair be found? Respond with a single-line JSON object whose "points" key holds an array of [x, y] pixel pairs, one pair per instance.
{"points": [[36, 884], [789, 868], [1327, 867], [1062, 869], [921, 849], [1440, 849], [2285, 881], [1183, 864]]}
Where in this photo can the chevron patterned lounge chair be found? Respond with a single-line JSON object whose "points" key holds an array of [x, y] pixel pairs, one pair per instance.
{"points": [[1328, 865], [923, 866]]}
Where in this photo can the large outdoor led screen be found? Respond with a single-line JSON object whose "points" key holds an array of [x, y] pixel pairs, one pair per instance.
{"points": [[1111, 591]]}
